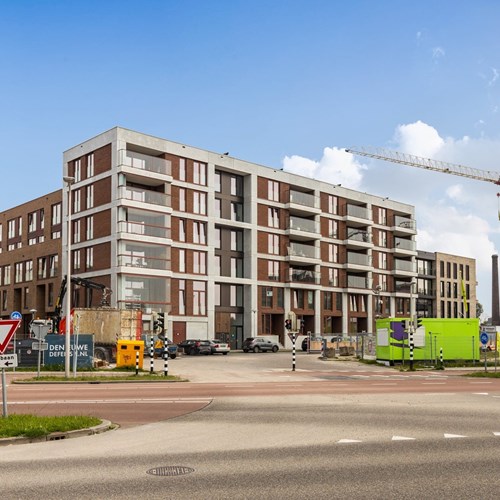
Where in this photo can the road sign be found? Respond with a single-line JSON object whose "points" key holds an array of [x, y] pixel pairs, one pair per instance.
{"points": [[7, 329], [16, 315], [8, 360], [40, 346], [484, 338]]}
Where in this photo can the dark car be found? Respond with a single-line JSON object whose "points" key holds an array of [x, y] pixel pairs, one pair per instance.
{"points": [[158, 346], [258, 344], [196, 346]]}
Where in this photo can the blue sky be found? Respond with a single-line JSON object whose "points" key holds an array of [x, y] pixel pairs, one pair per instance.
{"points": [[281, 83]]}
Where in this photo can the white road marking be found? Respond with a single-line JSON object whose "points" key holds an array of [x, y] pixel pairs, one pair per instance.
{"points": [[386, 383], [112, 401], [480, 393], [496, 433], [349, 441], [453, 436], [433, 383], [402, 438]]}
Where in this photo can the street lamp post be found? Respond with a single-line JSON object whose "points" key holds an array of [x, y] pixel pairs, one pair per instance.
{"points": [[412, 325], [69, 182]]}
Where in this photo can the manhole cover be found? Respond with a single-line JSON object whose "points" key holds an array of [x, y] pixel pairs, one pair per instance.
{"points": [[170, 470]]}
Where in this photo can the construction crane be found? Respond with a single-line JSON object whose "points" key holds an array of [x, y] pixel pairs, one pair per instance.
{"points": [[419, 162]]}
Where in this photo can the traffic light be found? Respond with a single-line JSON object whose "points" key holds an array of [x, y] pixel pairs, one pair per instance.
{"points": [[302, 324], [288, 324], [160, 322], [420, 323]]}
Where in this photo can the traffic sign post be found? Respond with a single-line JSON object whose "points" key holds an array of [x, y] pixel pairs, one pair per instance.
{"points": [[484, 338], [7, 330], [6, 361]]}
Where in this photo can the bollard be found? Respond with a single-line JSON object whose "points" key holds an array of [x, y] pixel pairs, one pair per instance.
{"points": [[137, 362], [152, 354], [293, 352], [411, 349], [165, 355]]}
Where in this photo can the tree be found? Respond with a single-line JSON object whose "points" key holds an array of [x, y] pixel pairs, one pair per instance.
{"points": [[479, 309]]}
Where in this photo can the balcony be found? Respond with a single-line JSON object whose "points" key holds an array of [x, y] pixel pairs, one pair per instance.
{"points": [[144, 196], [303, 203], [138, 228], [404, 246], [298, 226], [404, 225], [358, 259], [357, 214], [142, 262], [144, 162], [357, 281], [299, 252], [357, 238], [403, 267], [304, 276]]}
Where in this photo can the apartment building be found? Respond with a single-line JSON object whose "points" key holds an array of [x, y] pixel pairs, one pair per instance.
{"points": [[227, 247], [446, 285], [30, 258]]}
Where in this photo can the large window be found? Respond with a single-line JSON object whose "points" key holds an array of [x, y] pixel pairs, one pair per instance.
{"points": [[273, 244], [199, 298], [199, 173], [199, 203], [273, 190], [273, 217]]}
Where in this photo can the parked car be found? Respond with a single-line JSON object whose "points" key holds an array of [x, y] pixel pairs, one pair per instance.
{"points": [[257, 344], [158, 346], [219, 347], [196, 346]]}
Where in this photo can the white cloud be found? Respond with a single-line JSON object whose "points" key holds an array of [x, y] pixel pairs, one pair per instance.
{"points": [[494, 78], [335, 166], [454, 215]]}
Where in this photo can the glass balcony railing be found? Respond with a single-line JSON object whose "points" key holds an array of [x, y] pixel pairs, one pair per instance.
{"points": [[144, 229], [403, 244], [358, 212], [404, 265], [145, 196], [303, 276], [305, 199], [357, 281], [404, 222], [143, 262], [358, 259], [144, 162], [358, 235], [300, 250], [300, 224]]}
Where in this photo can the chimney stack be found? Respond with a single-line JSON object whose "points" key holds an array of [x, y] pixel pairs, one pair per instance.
{"points": [[495, 303]]}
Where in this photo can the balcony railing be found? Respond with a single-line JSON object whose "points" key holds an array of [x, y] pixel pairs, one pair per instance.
{"points": [[300, 250], [143, 262], [145, 196], [144, 162], [404, 222], [404, 265], [358, 212], [302, 276], [358, 235], [301, 224], [357, 281], [144, 229], [358, 259], [305, 199], [403, 244]]}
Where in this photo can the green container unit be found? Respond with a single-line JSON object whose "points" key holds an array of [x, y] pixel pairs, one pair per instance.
{"points": [[458, 337]]}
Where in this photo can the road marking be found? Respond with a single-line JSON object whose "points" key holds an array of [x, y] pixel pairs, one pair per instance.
{"points": [[112, 401], [386, 383], [481, 382], [453, 436], [349, 441], [402, 438], [480, 393], [439, 394], [433, 383], [496, 433]]}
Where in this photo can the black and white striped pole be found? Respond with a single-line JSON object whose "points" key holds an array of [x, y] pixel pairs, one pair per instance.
{"points": [[411, 346], [441, 357], [165, 355], [293, 351], [137, 362], [152, 354]]}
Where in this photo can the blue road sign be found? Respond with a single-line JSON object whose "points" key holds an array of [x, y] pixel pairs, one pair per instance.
{"points": [[16, 315], [484, 338]]}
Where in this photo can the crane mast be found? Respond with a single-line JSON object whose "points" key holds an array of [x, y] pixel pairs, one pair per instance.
{"points": [[428, 164]]}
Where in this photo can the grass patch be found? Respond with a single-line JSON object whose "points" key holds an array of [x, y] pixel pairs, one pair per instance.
{"points": [[31, 426], [105, 377], [483, 374]]}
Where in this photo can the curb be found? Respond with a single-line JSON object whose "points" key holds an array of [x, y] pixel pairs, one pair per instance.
{"points": [[104, 426]]}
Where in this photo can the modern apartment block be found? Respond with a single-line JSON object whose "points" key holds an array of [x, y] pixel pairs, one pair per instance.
{"points": [[30, 258], [229, 248], [443, 282]]}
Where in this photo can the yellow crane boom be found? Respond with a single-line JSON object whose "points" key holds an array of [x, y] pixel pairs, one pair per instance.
{"points": [[426, 163]]}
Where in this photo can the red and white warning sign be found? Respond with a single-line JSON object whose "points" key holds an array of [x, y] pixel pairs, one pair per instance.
{"points": [[7, 329]]}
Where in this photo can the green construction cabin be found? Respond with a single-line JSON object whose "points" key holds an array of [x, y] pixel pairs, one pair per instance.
{"points": [[457, 337]]}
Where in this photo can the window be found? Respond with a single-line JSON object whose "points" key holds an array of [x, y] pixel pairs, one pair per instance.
{"points": [[267, 296], [182, 200], [199, 262], [78, 170], [11, 228], [328, 301], [42, 267], [28, 270], [217, 294], [26, 298], [273, 217], [199, 230], [273, 191], [90, 196], [6, 275], [333, 276], [273, 244], [217, 237], [200, 203], [18, 272], [90, 228], [310, 299], [4, 300], [333, 252], [76, 259], [382, 260], [199, 298], [32, 226], [217, 265], [182, 230], [333, 203], [217, 208], [89, 258], [273, 270], [333, 228], [90, 165], [217, 184], [237, 241], [182, 261], [199, 173], [182, 297], [236, 211], [77, 200], [182, 169], [382, 281], [455, 270], [236, 267], [76, 231], [53, 265], [382, 216], [236, 296], [236, 186], [382, 239]]}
